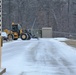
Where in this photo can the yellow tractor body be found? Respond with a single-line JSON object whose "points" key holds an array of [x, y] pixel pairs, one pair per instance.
{"points": [[16, 32]]}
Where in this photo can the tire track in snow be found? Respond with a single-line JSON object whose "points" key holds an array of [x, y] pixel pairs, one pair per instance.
{"points": [[40, 54], [64, 64], [51, 56], [45, 57], [13, 49], [30, 52]]}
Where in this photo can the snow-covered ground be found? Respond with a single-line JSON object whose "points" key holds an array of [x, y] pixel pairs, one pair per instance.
{"points": [[38, 57], [61, 39]]}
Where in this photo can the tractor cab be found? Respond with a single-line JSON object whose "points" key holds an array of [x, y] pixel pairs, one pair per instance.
{"points": [[16, 27]]}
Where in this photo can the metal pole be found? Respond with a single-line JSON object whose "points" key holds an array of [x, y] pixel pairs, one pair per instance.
{"points": [[68, 13], [33, 24], [32, 28], [0, 30], [9, 15]]}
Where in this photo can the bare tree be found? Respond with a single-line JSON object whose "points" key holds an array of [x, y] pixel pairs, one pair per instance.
{"points": [[52, 13]]}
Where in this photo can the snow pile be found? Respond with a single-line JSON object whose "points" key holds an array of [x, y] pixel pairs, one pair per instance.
{"points": [[61, 39], [3, 34]]}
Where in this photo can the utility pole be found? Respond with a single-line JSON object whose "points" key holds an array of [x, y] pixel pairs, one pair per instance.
{"points": [[33, 24], [32, 28], [48, 13], [2, 70], [9, 15], [68, 13]]}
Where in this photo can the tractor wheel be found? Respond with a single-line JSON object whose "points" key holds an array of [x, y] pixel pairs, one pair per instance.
{"points": [[24, 36], [29, 37], [10, 37]]}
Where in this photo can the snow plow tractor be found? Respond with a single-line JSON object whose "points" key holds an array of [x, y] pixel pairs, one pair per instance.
{"points": [[17, 32]]}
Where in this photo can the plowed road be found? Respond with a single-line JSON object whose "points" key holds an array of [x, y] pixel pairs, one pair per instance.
{"points": [[38, 57]]}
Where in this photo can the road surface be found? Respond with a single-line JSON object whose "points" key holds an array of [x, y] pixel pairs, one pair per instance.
{"points": [[38, 57]]}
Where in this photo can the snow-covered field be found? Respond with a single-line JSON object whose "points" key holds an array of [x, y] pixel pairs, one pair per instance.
{"points": [[39, 57]]}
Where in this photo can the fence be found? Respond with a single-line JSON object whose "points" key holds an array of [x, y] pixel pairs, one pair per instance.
{"points": [[64, 34], [38, 33]]}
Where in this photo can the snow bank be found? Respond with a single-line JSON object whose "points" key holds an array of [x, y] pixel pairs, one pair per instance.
{"points": [[4, 34], [61, 39]]}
